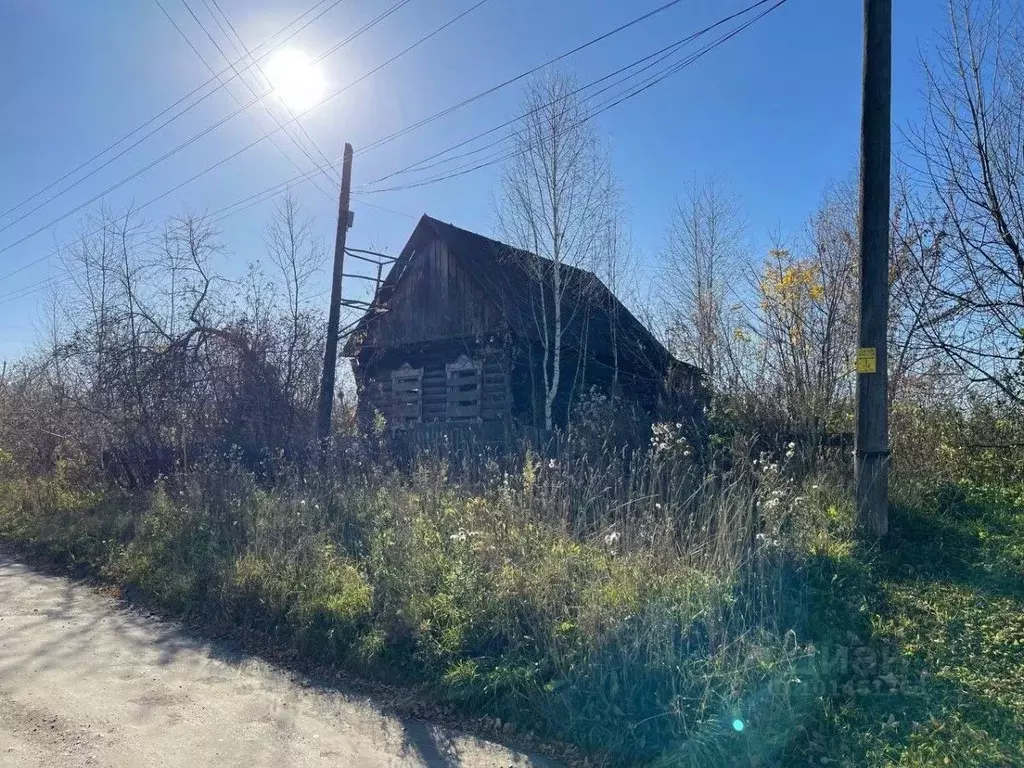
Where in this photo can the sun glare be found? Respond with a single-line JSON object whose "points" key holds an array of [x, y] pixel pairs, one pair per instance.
{"points": [[295, 79]]}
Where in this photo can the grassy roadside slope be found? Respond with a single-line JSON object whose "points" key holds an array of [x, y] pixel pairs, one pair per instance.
{"points": [[472, 601], [910, 655]]}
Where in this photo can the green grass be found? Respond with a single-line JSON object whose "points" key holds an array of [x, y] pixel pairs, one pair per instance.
{"points": [[910, 653], [938, 678]]}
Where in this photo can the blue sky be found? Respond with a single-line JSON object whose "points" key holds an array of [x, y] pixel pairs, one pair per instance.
{"points": [[774, 112]]}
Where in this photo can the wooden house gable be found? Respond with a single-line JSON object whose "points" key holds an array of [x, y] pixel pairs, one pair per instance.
{"points": [[434, 298]]}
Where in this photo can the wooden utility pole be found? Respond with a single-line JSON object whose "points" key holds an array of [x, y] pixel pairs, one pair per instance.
{"points": [[326, 404], [872, 445]]}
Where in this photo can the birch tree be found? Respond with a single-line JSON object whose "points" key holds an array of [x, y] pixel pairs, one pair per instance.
{"points": [[556, 203], [702, 296], [298, 256]]}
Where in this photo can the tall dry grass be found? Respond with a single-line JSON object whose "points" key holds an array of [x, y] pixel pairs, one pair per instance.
{"points": [[639, 603]]}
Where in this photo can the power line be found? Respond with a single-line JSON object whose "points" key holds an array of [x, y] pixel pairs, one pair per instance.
{"points": [[29, 289], [453, 108], [258, 97], [385, 209], [263, 74], [521, 76], [217, 216], [217, 124], [658, 57], [258, 197], [610, 103], [196, 137], [220, 162], [448, 110], [180, 101], [235, 98], [404, 131], [615, 100]]}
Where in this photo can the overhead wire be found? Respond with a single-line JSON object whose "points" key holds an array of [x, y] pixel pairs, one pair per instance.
{"points": [[258, 96], [517, 78], [209, 66], [263, 74], [258, 197], [385, 209], [449, 110], [392, 137], [233, 155], [610, 103], [658, 56], [217, 124], [188, 142], [183, 99], [452, 108], [213, 218]]}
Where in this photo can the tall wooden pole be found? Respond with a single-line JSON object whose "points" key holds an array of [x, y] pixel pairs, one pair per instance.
{"points": [[326, 404], [872, 445]]}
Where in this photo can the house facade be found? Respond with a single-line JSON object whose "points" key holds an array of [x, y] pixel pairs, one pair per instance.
{"points": [[461, 329]]}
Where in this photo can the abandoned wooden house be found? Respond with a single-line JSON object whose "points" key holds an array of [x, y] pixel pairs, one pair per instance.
{"points": [[456, 334]]}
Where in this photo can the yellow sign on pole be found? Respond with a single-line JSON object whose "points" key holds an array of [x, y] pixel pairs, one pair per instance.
{"points": [[866, 360]]}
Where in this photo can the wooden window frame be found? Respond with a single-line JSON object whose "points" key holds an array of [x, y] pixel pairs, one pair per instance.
{"points": [[406, 396], [465, 390]]}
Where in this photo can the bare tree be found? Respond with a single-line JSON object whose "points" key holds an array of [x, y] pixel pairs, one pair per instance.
{"points": [[298, 256], [556, 203], [915, 260], [152, 361], [704, 254], [133, 354], [616, 266], [970, 147]]}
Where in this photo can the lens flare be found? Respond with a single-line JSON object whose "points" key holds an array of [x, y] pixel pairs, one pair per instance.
{"points": [[295, 79]]}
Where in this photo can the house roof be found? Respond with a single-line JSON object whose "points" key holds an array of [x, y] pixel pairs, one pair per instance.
{"points": [[510, 275]]}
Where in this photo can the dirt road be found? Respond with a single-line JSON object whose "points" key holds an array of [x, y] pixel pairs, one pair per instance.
{"points": [[85, 683]]}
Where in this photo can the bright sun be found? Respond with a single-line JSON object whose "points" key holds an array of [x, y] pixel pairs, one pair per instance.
{"points": [[295, 79]]}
